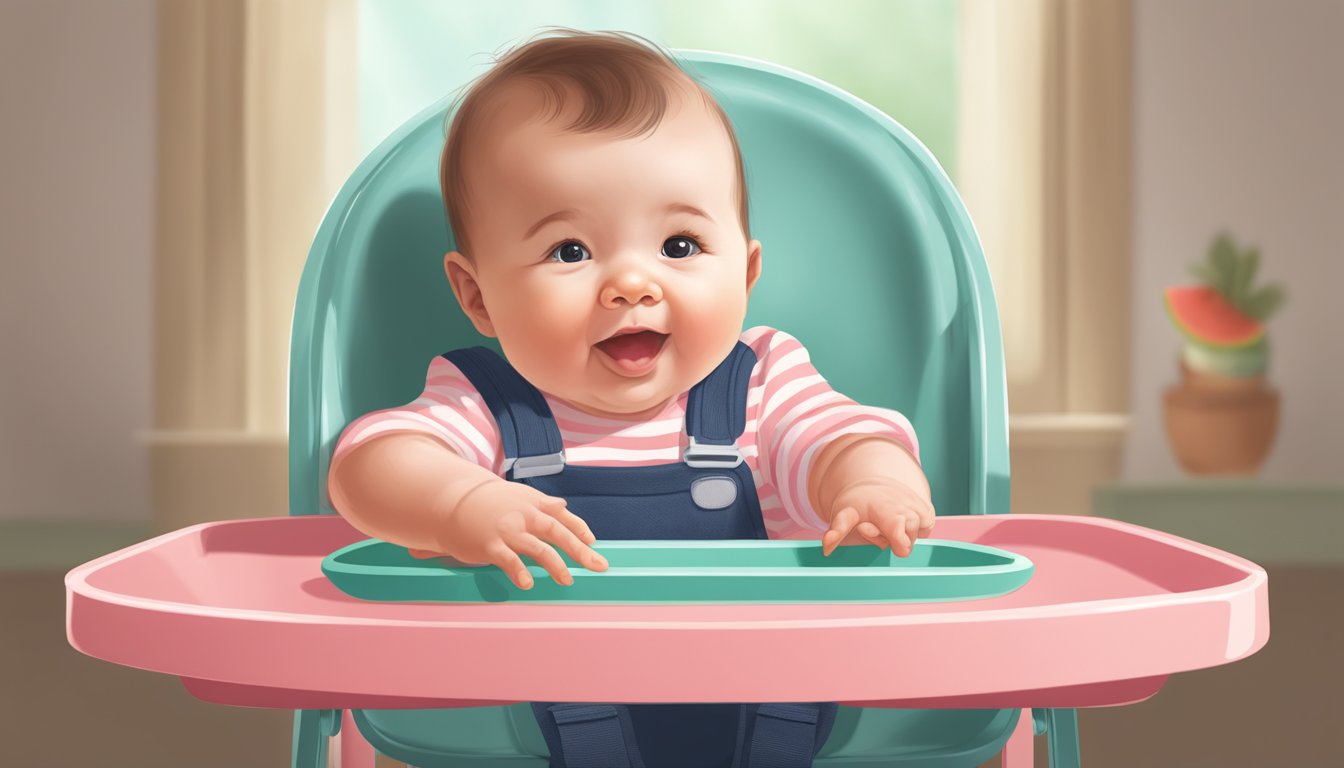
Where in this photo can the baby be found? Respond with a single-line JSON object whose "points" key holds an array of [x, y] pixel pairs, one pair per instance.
{"points": [[599, 204]]}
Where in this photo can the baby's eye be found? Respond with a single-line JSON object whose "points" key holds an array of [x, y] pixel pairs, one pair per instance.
{"points": [[570, 252], [680, 247]]}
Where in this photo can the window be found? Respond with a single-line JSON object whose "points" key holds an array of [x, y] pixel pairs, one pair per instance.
{"points": [[899, 56]]}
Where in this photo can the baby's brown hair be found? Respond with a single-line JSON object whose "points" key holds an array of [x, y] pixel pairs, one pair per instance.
{"points": [[621, 80]]}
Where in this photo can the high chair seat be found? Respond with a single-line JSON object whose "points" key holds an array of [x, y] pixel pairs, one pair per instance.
{"points": [[508, 737], [869, 259]]}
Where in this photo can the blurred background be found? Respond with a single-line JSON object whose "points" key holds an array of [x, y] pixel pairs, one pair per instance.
{"points": [[165, 165]]}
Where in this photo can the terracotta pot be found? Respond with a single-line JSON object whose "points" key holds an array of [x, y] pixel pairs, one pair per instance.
{"points": [[1218, 425]]}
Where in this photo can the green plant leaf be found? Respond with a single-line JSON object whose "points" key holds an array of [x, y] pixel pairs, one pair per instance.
{"points": [[1223, 259], [1250, 262], [1233, 293], [1265, 302], [1206, 274]]}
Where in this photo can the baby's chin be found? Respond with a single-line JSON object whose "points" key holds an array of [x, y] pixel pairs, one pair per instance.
{"points": [[619, 398], [614, 406]]}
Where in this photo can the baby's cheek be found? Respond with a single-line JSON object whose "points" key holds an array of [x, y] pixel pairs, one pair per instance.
{"points": [[724, 308], [545, 316], [712, 328]]}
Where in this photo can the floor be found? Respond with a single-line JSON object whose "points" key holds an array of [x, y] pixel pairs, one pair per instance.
{"points": [[1280, 707]]}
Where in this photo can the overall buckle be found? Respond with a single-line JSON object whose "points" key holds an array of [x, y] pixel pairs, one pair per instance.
{"points": [[534, 466], [711, 456]]}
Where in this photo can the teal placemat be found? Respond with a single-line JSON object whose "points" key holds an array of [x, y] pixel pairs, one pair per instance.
{"points": [[662, 572]]}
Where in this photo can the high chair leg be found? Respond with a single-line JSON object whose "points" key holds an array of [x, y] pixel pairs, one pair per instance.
{"points": [[355, 750], [1020, 751], [312, 729], [1062, 729]]}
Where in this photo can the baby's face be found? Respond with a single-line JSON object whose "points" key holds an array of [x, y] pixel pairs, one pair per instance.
{"points": [[578, 236]]}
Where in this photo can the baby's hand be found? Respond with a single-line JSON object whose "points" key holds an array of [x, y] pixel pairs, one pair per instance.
{"points": [[883, 511], [499, 520]]}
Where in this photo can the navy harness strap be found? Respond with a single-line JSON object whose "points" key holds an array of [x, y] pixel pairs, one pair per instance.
{"points": [[716, 408], [596, 736], [782, 735], [526, 426]]}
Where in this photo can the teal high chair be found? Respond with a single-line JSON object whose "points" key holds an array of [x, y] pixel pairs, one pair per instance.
{"points": [[870, 260]]}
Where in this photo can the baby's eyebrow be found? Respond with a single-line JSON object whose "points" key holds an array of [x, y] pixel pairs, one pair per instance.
{"points": [[691, 209], [568, 213]]}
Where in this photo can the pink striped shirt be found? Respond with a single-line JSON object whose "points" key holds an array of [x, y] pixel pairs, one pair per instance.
{"points": [[791, 414]]}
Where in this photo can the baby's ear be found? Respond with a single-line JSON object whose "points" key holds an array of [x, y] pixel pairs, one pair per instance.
{"points": [[753, 264], [462, 276]]}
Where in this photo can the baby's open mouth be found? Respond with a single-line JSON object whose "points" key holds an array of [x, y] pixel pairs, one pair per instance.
{"points": [[633, 352]]}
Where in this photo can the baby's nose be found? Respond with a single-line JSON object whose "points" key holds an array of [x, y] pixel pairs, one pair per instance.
{"points": [[633, 286]]}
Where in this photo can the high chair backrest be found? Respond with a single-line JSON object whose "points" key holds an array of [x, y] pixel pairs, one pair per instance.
{"points": [[869, 258]]}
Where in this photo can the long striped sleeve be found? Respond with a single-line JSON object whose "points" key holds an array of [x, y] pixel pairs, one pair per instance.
{"points": [[797, 414], [449, 410]]}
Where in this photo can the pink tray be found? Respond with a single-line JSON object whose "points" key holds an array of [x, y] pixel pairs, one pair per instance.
{"points": [[241, 612]]}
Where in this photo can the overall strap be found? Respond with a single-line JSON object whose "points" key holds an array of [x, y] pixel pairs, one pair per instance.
{"points": [[783, 735], [716, 411], [589, 735], [532, 442]]}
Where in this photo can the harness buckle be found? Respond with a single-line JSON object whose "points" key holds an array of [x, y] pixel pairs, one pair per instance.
{"points": [[711, 456], [534, 466]]}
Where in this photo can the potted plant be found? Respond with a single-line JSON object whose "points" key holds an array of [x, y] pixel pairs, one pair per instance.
{"points": [[1222, 418]]}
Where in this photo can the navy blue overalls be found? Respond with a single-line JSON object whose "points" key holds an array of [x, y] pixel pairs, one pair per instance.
{"points": [[709, 494]]}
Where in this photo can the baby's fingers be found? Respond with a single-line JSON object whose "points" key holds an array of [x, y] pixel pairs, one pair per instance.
{"points": [[552, 530], [872, 534], [928, 517], [899, 531], [544, 555], [508, 561], [841, 524], [558, 508]]}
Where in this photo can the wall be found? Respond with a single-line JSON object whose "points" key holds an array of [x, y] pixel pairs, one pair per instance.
{"points": [[1237, 115], [1239, 119], [76, 204]]}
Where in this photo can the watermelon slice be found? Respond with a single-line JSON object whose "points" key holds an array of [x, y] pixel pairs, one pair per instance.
{"points": [[1205, 316], [1229, 362]]}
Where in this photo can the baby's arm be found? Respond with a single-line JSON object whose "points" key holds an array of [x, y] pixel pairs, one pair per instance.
{"points": [[823, 452], [411, 490], [870, 485], [425, 476], [402, 487]]}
